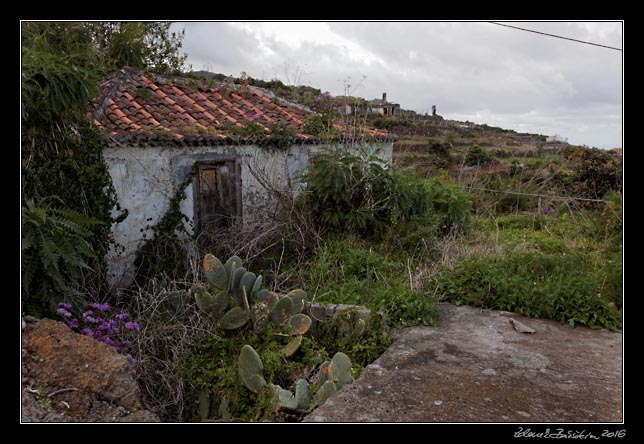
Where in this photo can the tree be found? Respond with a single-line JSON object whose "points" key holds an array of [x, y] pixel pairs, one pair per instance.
{"points": [[61, 152]]}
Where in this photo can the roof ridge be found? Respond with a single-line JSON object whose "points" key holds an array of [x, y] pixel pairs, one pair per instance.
{"points": [[118, 78]]}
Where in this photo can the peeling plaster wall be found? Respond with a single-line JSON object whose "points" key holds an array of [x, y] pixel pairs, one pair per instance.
{"points": [[146, 178]]}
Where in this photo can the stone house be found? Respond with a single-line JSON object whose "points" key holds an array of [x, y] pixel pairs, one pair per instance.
{"points": [[161, 133], [381, 106]]}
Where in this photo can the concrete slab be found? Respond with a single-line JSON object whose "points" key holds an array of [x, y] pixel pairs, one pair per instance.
{"points": [[475, 367]]}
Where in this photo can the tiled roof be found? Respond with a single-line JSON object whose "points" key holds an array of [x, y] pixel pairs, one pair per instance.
{"points": [[141, 109]]}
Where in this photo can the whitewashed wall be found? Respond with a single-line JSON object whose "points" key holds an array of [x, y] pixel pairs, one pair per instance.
{"points": [[146, 178]]}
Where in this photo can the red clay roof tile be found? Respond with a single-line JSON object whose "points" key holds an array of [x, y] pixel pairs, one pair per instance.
{"points": [[124, 111]]}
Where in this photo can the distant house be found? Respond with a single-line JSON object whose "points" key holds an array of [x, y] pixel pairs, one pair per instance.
{"points": [[159, 133], [381, 106], [616, 152], [557, 138]]}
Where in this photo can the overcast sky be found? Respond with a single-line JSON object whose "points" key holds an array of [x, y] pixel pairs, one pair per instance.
{"points": [[474, 71]]}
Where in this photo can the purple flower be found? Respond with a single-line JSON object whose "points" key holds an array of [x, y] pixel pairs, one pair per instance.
{"points": [[72, 323], [64, 313], [88, 313], [126, 342], [109, 341], [104, 327], [131, 325], [91, 319], [122, 316], [88, 332], [102, 307], [64, 305], [324, 95]]}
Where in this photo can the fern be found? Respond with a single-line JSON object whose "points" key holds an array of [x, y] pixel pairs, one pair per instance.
{"points": [[55, 248]]}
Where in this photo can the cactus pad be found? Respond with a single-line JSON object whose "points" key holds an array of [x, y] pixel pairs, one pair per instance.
{"points": [[256, 287], [219, 305], [324, 374], [299, 324], [281, 311], [203, 299], [289, 349], [327, 389], [299, 298], [341, 369], [302, 394], [246, 285], [215, 271], [231, 265], [234, 318], [251, 369]]}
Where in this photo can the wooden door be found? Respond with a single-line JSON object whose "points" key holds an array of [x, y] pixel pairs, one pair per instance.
{"points": [[218, 201]]}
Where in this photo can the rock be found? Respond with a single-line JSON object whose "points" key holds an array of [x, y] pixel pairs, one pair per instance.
{"points": [[521, 328], [73, 374], [140, 416]]}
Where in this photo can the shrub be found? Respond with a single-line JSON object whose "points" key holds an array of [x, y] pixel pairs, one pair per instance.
{"points": [[359, 193], [451, 202], [567, 287], [476, 156]]}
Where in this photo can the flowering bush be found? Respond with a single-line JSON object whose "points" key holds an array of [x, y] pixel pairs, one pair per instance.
{"points": [[100, 323]]}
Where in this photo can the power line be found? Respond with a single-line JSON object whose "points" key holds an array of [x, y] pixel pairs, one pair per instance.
{"points": [[557, 36]]}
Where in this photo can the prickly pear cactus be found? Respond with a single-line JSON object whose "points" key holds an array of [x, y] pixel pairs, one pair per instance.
{"points": [[283, 400], [215, 271], [234, 318], [219, 305], [246, 285], [251, 369], [299, 298], [325, 391], [203, 299], [302, 394], [281, 312], [324, 374], [341, 370], [299, 324], [294, 344], [231, 265]]}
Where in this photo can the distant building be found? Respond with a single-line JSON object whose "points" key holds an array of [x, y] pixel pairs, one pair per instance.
{"points": [[381, 106], [557, 138], [616, 151]]}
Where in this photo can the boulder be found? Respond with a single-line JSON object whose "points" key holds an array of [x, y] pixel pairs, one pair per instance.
{"points": [[72, 377]]}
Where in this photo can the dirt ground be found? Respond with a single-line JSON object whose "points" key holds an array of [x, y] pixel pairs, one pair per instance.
{"points": [[475, 367]]}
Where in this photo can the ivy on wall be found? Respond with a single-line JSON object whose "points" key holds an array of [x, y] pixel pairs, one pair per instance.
{"points": [[164, 252]]}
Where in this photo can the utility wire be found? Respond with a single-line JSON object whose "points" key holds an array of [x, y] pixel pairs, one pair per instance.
{"points": [[557, 36]]}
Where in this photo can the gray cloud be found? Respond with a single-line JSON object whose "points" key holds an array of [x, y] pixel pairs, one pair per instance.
{"points": [[492, 74]]}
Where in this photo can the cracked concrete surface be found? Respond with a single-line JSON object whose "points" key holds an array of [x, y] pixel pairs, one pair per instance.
{"points": [[474, 367]]}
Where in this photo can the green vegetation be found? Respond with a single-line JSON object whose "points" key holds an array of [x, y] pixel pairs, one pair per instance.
{"points": [[570, 288], [348, 274], [55, 250], [63, 171], [252, 345], [360, 193]]}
